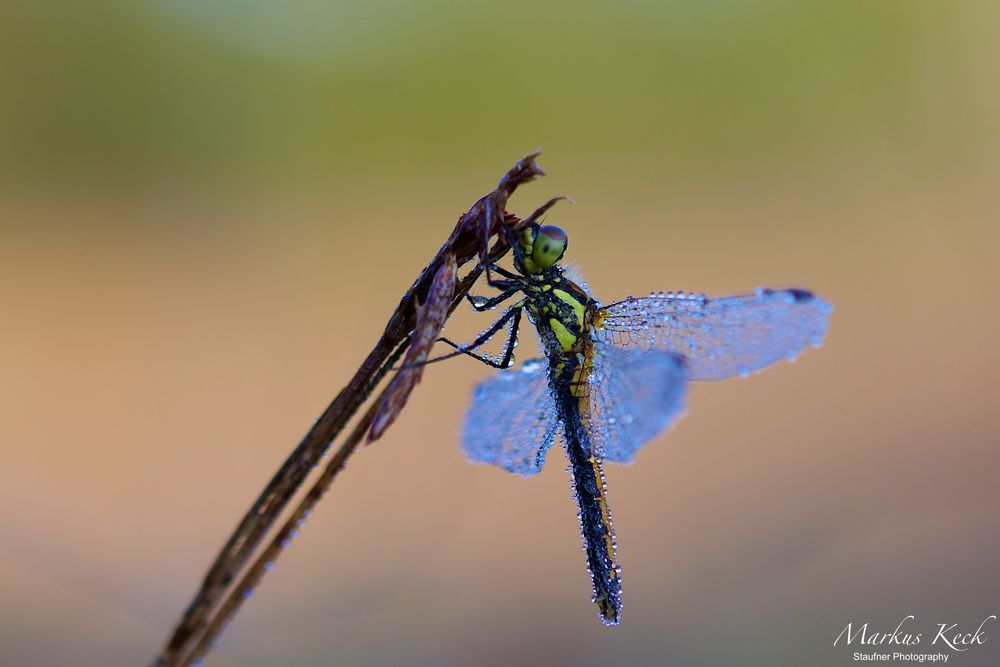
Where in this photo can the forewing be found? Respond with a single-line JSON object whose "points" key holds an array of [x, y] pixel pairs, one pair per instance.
{"points": [[512, 420], [634, 395], [718, 337]]}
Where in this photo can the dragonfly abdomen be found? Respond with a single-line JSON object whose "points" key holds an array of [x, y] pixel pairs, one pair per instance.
{"points": [[591, 497]]}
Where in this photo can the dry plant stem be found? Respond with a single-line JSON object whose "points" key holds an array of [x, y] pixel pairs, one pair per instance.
{"points": [[251, 578], [265, 560], [269, 505], [482, 221]]}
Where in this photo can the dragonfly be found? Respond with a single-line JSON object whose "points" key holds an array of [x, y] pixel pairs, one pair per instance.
{"points": [[613, 377]]}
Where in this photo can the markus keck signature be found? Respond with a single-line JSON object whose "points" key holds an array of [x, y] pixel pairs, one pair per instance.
{"points": [[943, 636]]}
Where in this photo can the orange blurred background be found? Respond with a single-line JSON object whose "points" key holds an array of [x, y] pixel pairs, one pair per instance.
{"points": [[209, 210]]}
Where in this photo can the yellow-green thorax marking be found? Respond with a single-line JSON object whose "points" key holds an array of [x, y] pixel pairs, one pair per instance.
{"points": [[559, 310]]}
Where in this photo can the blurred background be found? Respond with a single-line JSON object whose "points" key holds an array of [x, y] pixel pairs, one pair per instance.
{"points": [[209, 209]]}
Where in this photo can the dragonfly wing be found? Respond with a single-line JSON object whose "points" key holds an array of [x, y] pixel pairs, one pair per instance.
{"points": [[512, 421], [719, 337], [634, 395]]}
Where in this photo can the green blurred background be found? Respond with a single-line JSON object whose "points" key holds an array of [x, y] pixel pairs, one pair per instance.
{"points": [[209, 209]]}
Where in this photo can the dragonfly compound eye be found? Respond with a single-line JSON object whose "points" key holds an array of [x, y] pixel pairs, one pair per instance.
{"points": [[549, 246]]}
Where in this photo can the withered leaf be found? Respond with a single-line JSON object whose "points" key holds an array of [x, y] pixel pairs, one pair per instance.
{"points": [[429, 323]]}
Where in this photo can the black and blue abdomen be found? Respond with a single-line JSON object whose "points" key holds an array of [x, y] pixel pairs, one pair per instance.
{"points": [[588, 486]]}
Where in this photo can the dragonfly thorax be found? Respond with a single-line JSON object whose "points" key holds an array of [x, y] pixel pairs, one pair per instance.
{"points": [[559, 309]]}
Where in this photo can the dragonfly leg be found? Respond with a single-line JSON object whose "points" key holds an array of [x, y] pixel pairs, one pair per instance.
{"points": [[508, 355], [505, 273], [480, 306], [513, 313]]}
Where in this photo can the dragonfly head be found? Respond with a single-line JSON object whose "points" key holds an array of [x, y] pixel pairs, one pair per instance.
{"points": [[544, 246]]}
